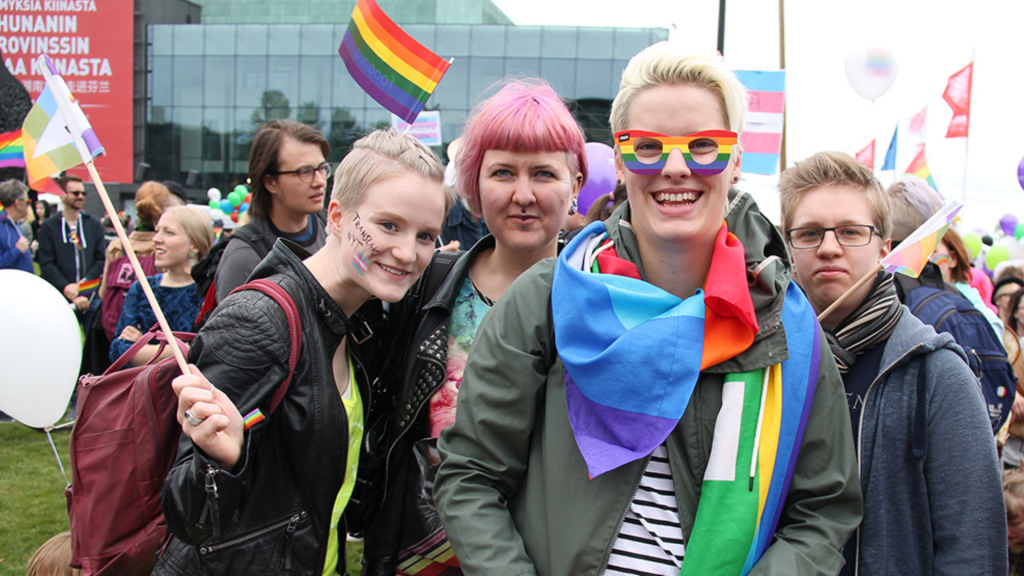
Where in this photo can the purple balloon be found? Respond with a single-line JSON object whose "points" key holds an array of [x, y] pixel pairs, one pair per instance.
{"points": [[1008, 223], [601, 177], [1020, 172]]}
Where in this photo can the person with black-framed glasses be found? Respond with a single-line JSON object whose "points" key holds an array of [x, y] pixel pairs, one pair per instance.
{"points": [[917, 411], [288, 174]]}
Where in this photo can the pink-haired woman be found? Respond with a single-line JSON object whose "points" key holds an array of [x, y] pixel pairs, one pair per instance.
{"points": [[521, 165]]}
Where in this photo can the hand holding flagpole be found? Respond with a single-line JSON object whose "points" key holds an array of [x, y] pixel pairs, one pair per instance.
{"points": [[66, 103], [911, 255]]}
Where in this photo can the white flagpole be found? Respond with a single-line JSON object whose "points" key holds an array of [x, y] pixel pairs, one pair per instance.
{"points": [[60, 97]]}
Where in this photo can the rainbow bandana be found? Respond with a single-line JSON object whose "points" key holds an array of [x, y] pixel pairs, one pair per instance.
{"points": [[632, 363]]}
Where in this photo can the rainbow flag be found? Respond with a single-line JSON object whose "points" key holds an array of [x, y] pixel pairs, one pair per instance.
{"points": [[12, 153], [912, 254], [253, 418], [393, 68], [46, 133], [919, 167], [87, 287]]}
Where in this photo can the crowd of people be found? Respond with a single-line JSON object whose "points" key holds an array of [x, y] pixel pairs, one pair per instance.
{"points": [[668, 384]]}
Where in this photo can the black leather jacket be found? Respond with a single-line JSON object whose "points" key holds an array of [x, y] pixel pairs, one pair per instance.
{"points": [[412, 381], [272, 513]]}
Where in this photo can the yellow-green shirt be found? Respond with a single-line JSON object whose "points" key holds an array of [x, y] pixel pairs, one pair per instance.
{"points": [[354, 409]]}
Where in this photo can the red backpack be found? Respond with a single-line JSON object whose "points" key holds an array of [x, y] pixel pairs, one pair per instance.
{"points": [[123, 444], [120, 277]]}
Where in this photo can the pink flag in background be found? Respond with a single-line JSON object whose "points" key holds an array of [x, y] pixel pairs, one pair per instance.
{"points": [[958, 96], [867, 155]]}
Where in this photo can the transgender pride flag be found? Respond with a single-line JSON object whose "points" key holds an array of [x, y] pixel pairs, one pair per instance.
{"points": [[762, 136]]}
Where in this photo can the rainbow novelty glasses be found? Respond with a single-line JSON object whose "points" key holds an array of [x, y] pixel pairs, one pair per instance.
{"points": [[706, 153]]}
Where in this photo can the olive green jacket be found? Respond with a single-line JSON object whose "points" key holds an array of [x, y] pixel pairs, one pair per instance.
{"points": [[513, 490]]}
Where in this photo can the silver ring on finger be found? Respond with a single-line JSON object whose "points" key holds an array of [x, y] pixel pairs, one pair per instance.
{"points": [[192, 419]]}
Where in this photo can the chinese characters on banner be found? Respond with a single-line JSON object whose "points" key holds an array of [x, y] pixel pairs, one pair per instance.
{"points": [[91, 45]]}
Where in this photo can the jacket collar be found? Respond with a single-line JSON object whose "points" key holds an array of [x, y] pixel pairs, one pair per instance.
{"points": [[286, 259], [768, 271], [911, 338], [447, 291]]}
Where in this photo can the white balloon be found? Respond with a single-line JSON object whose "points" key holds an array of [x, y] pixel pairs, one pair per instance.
{"points": [[1013, 247], [42, 348], [871, 72], [216, 214], [213, 194]]}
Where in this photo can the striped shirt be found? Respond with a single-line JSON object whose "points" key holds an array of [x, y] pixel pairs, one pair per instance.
{"points": [[650, 541]]}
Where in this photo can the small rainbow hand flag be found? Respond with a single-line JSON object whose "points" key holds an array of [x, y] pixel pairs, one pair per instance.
{"points": [[392, 67], [12, 152], [87, 287], [47, 134], [912, 254]]}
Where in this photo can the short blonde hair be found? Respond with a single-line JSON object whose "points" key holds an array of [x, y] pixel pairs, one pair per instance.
{"points": [[53, 558], [665, 64], [912, 202], [197, 226], [380, 154], [833, 169]]}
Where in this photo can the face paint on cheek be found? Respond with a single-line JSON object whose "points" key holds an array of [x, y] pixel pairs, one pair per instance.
{"points": [[362, 236], [360, 263]]}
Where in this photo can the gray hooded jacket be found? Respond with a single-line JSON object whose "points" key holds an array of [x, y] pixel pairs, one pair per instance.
{"points": [[933, 499]]}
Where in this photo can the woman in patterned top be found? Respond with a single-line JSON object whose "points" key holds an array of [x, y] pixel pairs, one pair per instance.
{"points": [[183, 235], [521, 165]]}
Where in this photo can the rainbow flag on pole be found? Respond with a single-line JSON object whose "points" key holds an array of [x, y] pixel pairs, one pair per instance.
{"points": [[912, 254], [393, 68], [46, 133], [12, 153], [919, 167]]}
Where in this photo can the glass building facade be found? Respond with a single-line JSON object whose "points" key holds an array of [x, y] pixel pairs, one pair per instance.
{"points": [[209, 86]]}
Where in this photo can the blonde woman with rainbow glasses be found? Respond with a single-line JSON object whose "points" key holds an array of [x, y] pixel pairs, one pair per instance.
{"points": [[660, 398]]}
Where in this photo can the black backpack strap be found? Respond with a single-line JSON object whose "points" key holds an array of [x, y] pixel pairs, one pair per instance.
{"points": [[291, 312], [254, 238]]}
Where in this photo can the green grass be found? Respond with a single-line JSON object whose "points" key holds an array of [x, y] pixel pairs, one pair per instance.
{"points": [[32, 504]]}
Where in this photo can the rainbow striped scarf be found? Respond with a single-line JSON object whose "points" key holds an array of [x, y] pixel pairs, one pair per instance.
{"points": [[632, 364]]}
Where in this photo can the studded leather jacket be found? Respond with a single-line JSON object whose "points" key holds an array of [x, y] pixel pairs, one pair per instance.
{"points": [[412, 380]]}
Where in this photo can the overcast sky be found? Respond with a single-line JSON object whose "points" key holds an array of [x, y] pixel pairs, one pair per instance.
{"points": [[930, 40]]}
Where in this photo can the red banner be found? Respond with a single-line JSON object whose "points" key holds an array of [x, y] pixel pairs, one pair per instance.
{"points": [[958, 96], [867, 155], [91, 45]]}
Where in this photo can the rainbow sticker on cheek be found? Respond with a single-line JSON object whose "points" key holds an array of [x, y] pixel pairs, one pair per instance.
{"points": [[361, 264], [706, 153], [940, 259]]}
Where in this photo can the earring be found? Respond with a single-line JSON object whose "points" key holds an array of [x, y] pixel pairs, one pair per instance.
{"points": [[735, 179], [573, 207]]}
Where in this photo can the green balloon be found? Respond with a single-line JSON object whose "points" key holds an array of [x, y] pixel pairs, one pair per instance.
{"points": [[973, 243], [235, 198], [996, 254], [214, 204], [1018, 232], [241, 189]]}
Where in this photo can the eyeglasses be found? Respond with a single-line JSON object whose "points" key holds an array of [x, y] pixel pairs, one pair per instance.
{"points": [[77, 193], [25, 201], [706, 153], [305, 173], [850, 235]]}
